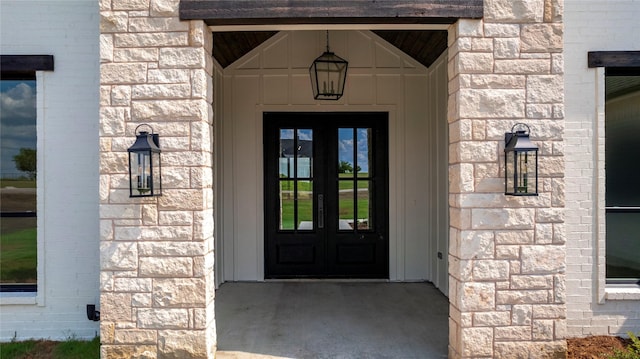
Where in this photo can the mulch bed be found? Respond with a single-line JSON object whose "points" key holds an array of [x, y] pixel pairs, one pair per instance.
{"points": [[595, 347]]}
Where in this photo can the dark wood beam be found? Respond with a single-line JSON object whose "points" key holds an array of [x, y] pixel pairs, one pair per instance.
{"points": [[265, 12], [613, 59], [26, 63]]}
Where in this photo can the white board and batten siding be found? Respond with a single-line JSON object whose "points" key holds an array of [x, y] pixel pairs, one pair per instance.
{"points": [[275, 77], [68, 196]]}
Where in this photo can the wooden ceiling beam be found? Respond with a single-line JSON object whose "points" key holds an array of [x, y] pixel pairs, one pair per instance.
{"points": [[261, 12]]}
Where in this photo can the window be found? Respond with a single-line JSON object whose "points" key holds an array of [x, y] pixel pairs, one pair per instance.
{"points": [[19, 171], [622, 173]]}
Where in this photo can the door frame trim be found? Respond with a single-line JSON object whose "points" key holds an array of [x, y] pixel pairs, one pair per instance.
{"points": [[396, 236]]}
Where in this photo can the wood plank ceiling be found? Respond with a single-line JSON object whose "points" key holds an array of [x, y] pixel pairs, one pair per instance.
{"points": [[423, 46]]}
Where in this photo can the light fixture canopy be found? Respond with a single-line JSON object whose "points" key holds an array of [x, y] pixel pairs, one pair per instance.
{"points": [[328, 75], [520, 162], [145, 178]]}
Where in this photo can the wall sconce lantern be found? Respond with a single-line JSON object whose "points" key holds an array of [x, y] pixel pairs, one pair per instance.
{"points": [[520, 162], [144, 165], [328, 75]]}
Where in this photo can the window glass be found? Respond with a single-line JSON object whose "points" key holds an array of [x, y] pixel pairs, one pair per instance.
{"points": [[18, 227], [622, 149]]}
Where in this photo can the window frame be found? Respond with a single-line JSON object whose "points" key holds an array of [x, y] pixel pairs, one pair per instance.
{"points": [[618, 63], [14, 67]]}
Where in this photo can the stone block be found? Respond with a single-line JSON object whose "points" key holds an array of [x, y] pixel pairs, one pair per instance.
{"points": [[168, 76], [164, 7], [550, 311], [531, 282], [132, 284], [492, 103], [545, 89], [176, 218], [543, 259], [521, 314], [161, 91], [106, 53], [522, 296], [491, 319], [542, 330], [157, 24], [493, 81], [166, 266], [151, 39], [522, 66], [121, 96], [183, 57], [135, 336], [506, 48], [163, 318], [502, 218], [112, 121], [141, 300], [182, 344], [514, 11], [115, 307], [130, 4], [118, 256], [113, 21], [519, 333], [477, 296], [165, 109], [495, 30], [541, 38], [123, 73], [507, 252], [135, 55], [514, 237], [182, 200], [476, 342], [492, 270], [476, 245], [179, 292], [470, 27], [128, 351]]}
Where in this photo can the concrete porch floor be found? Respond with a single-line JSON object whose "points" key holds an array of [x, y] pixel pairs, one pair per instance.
{"points": [[331, 320]]}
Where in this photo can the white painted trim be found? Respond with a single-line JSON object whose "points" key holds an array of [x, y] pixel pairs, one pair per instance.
{"points": [[283, 27], [41, 173]]}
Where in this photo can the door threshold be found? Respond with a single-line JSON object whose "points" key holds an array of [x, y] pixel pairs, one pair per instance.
{"points": [[328, 280]]}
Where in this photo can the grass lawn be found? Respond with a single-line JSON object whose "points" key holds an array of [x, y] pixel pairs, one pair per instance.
{"points": [[18, 256], [305, 211], [46, 349], [17, 183]]}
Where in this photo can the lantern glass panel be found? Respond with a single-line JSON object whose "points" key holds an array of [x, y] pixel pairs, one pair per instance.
{"points": [[510, 183], [526, 175], [140, 173], [156, 174]]}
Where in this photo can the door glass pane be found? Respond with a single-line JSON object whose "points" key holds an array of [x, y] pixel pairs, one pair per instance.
{"points": [[286, 163], [364, 159], [305, 205], [287, 205], [345, 205], [304, 152], [365, 205], [345, 152]]}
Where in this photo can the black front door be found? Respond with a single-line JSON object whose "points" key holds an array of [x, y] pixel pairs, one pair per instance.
{"points": [[326, 195]]}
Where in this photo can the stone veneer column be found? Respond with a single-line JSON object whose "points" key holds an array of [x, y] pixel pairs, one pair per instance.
{"points": [[156, 254], [507, 254]]}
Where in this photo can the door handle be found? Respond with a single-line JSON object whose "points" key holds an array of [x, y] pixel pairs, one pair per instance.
{"points": [[320, 211]]}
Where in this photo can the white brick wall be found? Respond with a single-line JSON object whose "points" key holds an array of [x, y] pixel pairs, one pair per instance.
{"points": [[592, 26], [68, 131]]}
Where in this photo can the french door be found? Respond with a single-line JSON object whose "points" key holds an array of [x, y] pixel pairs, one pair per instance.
{"points": [[326, 195]]}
